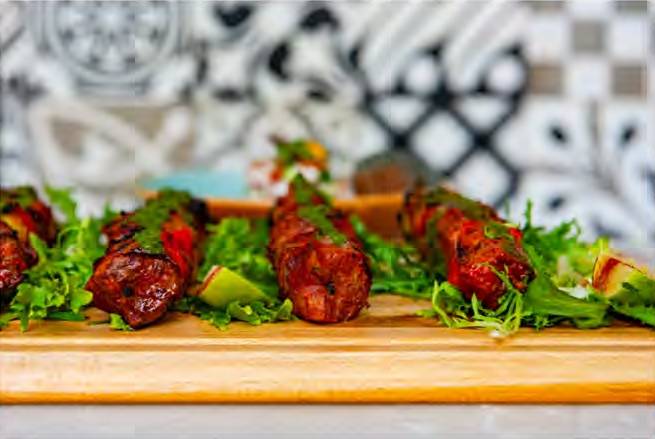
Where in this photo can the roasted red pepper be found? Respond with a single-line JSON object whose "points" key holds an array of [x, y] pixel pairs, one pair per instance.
{"points": [[467, 242]]}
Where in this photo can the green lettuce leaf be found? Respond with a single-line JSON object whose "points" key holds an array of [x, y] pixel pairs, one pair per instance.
{"points": [[240, 245], [547, 305], [455, 311], [254, 313], [636, 298], [642, 313], [117, 322], [397, 268], [55, 287], [560, 253]]}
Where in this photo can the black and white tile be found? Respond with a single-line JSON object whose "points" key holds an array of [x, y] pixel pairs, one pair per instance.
{"points": [[548, 100]]}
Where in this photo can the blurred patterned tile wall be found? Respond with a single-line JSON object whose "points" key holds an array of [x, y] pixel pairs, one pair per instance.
{"points": [[548, 100]]}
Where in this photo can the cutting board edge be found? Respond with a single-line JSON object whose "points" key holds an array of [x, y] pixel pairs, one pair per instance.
{"points": [[608, 393]]}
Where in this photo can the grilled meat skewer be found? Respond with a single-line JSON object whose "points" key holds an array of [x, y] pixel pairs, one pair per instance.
{"points": [[21, 214], [151, 258], [318, 259], [467, 241]]}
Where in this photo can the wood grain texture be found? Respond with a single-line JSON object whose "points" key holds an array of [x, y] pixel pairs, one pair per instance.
{"points": [[387, 355]]}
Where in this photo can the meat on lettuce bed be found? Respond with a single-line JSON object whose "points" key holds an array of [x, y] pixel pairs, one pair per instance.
{"points": [[309, 261]]}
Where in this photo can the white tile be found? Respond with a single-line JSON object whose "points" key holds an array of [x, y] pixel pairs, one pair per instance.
{"points": [[482, 112], [587, 77], [597, 9], [506, 75], [337, 125], [628, 163], [440, 141], [548, 37], [529, 142], [400, 111], [628, 38], [423, 75], [482, 178]]}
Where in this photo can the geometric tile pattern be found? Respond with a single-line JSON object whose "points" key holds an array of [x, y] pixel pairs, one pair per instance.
{"points": [[548, 100]]}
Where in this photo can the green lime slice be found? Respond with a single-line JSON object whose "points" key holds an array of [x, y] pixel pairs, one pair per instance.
{"points": [[222, 286]]}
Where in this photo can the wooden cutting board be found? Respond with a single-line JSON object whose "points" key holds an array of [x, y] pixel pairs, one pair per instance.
{"points": [[386, 355]]}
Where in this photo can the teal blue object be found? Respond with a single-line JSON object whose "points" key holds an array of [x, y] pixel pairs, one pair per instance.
{"points": [[203, 183]]}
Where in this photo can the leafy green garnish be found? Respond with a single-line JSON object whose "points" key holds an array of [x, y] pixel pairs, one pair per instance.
{"points": [[540, 306], [643, 313], [560, 253], [117, 322], [254, 313], [64, 202], [498, 230], [547, 305], [306, 193], [473, 209], [636, 298], [55, 287], [396, 267], [240, 245], [315, 207], [154, 214], [455, 311], [318, 216], [21, 196], [561, 259], [290, 152]]}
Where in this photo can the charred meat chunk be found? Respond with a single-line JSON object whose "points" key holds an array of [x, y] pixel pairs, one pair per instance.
{"points": [[466, 242], [317, 257], [151, 259], [21, 214]]}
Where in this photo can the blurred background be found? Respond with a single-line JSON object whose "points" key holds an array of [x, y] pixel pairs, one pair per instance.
{"points": [[552, 101]]}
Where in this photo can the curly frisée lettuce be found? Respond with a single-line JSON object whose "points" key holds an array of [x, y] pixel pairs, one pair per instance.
{"points": [[563, 264], [540, 306], [240, 245], [396, 268], [254, 313], [116, 322], [560, 253], [54, 287], [455, 311], [238, 281]]}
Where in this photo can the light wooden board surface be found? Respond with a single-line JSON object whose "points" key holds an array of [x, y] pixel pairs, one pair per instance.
{"points": [[386, 355]]}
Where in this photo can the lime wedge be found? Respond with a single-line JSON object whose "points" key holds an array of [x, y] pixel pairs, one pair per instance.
{"points": [[222, 286]]}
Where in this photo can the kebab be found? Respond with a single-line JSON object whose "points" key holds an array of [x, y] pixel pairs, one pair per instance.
{"points": [[318, 259], [151, 258], [466, 242], [21, 214]]}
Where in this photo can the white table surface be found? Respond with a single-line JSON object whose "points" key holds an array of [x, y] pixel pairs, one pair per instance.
{"points": [[335, 421]]}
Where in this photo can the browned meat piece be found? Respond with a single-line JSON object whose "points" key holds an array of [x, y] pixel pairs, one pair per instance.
{"points": [[319, 261], [15, 257], [467, 242], [150, 260], [21, 214]]}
